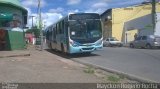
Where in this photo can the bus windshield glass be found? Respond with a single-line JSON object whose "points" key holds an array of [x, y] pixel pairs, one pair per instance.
{"points": [[85, 31], [84, 16]]}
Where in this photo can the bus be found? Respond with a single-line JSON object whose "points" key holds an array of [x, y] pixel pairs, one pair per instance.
{"points": [[76, 33]]}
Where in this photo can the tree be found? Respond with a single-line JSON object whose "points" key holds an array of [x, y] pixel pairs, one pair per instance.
{"points": [[35, 31]]}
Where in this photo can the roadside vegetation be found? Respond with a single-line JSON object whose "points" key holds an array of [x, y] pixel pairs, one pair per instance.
{"points": [[89, 70], [107, 77]]}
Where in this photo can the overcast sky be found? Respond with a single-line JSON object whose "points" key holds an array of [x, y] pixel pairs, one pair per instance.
{"points": [[53, 10]]}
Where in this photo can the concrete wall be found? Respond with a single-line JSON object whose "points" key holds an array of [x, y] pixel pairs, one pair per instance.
{"points": [[107, 23], [143, 24], [157, 29], [122, 15]]}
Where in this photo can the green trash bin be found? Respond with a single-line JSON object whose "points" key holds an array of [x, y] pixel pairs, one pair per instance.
{"points": [[15, 40]]}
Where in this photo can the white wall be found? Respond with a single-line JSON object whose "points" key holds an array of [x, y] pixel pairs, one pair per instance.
{"points": [[143, 24], [157, 29]]}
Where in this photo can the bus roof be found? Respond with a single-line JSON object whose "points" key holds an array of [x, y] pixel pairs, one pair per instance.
{"points": [[66, 17]]}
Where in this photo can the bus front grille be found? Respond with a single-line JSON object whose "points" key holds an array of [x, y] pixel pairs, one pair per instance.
{"points": [[88, 48]]}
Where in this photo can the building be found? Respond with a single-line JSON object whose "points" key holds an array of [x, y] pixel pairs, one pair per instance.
{"points": [[13, 18], [124, 23]]}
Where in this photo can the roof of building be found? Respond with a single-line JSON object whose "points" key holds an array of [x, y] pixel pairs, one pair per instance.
{"points": [[14, 3], [109, 10]]}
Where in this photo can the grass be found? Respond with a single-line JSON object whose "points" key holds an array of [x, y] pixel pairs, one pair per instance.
{"points": [[121, 76], [89, 70], [113, 78]]}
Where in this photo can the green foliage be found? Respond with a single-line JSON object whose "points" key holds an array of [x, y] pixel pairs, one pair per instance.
{"points": [[113, 78], [121, 76], [29, 31], [34, 30], [36, 33], [89, 70]]}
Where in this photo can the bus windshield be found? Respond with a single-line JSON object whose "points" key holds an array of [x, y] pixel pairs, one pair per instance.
{"points": [[85, 31]]}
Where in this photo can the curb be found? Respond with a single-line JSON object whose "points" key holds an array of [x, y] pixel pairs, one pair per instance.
{"points": [[17, 55], [129, 76]]}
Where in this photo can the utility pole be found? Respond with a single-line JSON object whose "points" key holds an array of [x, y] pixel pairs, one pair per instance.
{"points": [[153, 14], [32, 20], [40, 23]]}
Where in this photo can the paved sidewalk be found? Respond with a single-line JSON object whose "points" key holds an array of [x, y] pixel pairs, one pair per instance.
{"points": [[14, 53], [41, 67]]}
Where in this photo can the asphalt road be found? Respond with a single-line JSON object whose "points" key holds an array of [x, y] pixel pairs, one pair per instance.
{"points": [[141, 63]]}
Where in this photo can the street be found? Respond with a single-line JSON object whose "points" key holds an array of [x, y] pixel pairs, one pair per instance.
{"points": [[141, 63], [70, 44]]}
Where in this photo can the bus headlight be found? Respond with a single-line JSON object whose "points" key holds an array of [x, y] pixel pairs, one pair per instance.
{"points": [[74, 44], [155, 43], [98, 43]]}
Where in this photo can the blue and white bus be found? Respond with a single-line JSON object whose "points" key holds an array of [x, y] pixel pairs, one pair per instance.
{"points": [[76, 33]]}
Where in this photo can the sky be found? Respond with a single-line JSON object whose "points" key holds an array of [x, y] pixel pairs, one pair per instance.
{"points": [[53, 10]]}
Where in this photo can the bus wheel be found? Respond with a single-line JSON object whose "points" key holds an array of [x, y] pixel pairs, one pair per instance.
{"points": [[148, 46], [50, 46], [62, 48]]}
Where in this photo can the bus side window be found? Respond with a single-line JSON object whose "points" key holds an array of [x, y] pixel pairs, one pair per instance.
{"points": [[56, 28], [53, 34], [50, 36], [60, 28], [63, 27]]}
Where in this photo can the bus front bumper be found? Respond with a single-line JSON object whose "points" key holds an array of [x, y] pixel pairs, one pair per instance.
{"points": [[82, 49]]}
